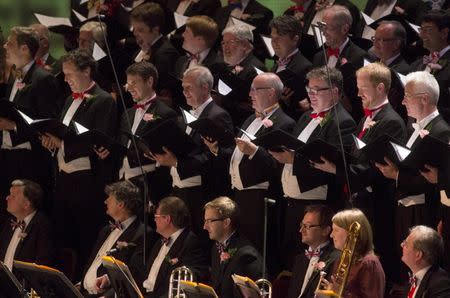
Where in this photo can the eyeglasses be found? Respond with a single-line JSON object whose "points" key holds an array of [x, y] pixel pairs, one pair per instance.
{"points": [[230, 42], [307, 227], [211, 220], [382, 40], [254, 89], [426, 30], [409, 96], [159, 215], [313, 91]]}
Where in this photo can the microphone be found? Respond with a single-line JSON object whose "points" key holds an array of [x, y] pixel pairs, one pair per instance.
{"points": [[119, 248], [319, 24]]}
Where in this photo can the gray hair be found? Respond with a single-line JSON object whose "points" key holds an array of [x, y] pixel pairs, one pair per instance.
{"points": [[323, 74], [341, 14], [203, 75], [31, 190], [241, 32], [98, 30], [126, 192], [424, 82], [429, 242]]}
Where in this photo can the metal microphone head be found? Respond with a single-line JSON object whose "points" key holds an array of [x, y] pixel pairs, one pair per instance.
{"points": [[321, 24]]}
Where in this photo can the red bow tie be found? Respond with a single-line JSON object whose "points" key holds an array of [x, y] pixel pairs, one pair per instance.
{"points": [[432, 58], [296, 8], [195, 57], [320, 114], [369, 112], [17, 224], [115, 225], [40, 62], [333, 52], [310, 254], [142, 106], [78, 95]]}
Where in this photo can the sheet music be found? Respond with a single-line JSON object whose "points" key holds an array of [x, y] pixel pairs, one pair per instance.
{"points": [[223, 88], [49, 21]]}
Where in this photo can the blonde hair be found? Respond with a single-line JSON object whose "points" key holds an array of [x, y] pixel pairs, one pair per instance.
{"points": [[378, 73], [205, 27], [345, 218]]}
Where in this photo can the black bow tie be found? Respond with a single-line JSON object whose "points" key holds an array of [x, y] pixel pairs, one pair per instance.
{"points": [[17, 224], [165, 241]]}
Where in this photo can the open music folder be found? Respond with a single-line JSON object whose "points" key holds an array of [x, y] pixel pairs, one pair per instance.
{"points": [[121, 279], [46, 281], [197, 290]]}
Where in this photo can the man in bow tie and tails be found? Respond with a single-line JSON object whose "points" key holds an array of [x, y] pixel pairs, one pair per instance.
{"points": [[315, 229], [81, 175], [417, 200], [303, 185], [121, 237], [233, 252], [421, 252], [29, 236], [178, 246], [434, 32]]}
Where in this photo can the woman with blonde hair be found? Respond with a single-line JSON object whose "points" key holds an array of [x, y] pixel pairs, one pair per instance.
{"points": [[366, 277]]}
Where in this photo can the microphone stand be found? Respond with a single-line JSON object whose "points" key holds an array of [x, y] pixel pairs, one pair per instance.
{"points": [[133, 140], [267, 201], [322, 26]]}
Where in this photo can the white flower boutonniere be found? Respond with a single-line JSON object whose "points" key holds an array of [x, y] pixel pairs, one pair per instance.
{"points": [[150, 117], [171, 261], [237, 69], [369, 124], [423, 133], [319, 266]]}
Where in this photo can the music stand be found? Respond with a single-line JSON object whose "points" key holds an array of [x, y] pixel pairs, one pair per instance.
{"points": [[246, 286], [9, 285], [197, 290], [121, 279], [46, 281]]}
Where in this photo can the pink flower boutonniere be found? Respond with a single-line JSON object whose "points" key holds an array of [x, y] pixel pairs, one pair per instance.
{"points": [[21, 85], [171, 261], [267, 123], [121, 244], [237, 69], [319, 266], [344, 61], [423, 133], [227, 254], [369, 124], [150, 117]]}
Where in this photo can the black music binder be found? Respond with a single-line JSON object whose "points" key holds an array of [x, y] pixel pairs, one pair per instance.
{"points": [[9, 285], [121, 279]]}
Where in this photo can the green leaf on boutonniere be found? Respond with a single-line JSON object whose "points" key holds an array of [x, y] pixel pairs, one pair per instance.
{"points": [[325, 119], [89, 97]]}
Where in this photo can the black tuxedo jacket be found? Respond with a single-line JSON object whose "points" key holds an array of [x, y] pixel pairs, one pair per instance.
{"points": [[39, 99], [329, 255], [262, 167], [435, 284], [355, 60], [443, 78], [157, 108], [133, 234], [400, 65], [245, 260], [186, 251], [361, 172], [411, 182], [202, 7], [36, 247], [260, 16], [97, 112], [202, 162], [329, 132], [300, 66], [162, 56]]}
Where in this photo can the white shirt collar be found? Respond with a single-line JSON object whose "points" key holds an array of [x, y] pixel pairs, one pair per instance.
{"points": [[29, 217], [200, 108], [202, 55], [127, 222], [319, 248], [341, 48], [26, 68], [424, 122], [420, 274], [175, 236], [444, 50]]}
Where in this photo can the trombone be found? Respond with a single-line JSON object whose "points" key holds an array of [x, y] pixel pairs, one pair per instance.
{"points": [[178, 274]]}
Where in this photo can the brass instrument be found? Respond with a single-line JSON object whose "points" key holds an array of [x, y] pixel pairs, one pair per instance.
{"points": [[178, 274], [33, 294], [265, 287], [345, 263]]}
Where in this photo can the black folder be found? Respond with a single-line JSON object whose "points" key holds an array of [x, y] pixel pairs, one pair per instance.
{"points": [[9, 285], [8, 110], [291, 80], [93, 137], [380, 148], [121, 279], [168, 134], [47, 282], [317, 148], [278, 140], [208, 128], [429, 150], [51, 126]]}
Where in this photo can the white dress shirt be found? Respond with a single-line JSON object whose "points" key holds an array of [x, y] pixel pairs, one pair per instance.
{"points": [[202, 55], [419, 277], [89, 280], [149, 283], [333, 59], [18, 236], [312, 262]]}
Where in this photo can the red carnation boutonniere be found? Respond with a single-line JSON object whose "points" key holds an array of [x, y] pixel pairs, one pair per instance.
{"points": [[267, 122], [227, 254]]}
